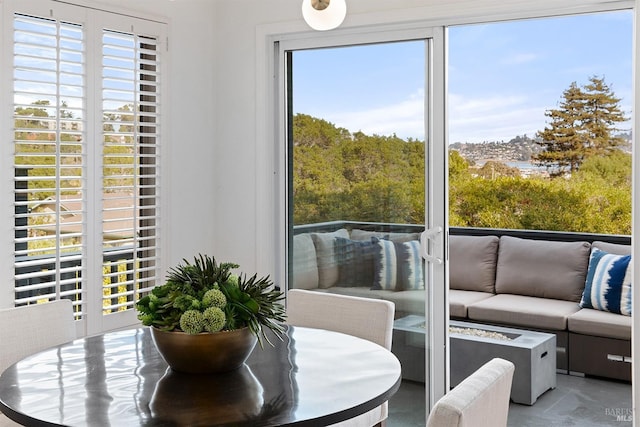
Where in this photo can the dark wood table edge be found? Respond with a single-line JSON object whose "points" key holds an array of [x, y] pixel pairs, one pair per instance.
{"points": [[329, 419]]}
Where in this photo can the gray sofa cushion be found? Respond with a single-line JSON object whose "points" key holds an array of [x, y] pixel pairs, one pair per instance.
{"points": [[304, 264], [541, 268], [472, 262], [406, 302], [459, 301], [525, 311], [612, 248], [328, 267], [600, 323], [358, 234]]}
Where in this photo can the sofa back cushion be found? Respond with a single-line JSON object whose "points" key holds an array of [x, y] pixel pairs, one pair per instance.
{"points": [[328, 266], [358, 234], [542, 268], [305, 266], [472, 263], [612, 248]]}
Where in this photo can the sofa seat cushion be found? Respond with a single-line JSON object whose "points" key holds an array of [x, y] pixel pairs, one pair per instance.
{"points": [[520, 310], [460, 300], [542, 268], [472, 263], [355, 291], [600, 323], [406, 302]]}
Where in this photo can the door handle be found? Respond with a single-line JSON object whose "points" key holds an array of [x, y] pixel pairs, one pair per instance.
{"points": [[430, 234]]}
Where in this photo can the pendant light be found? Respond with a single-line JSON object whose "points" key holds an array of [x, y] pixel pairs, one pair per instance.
{"points": [[324, 15]]}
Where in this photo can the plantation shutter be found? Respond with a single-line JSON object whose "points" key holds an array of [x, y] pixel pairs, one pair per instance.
{"points": [[86, 103], [130, 170], [50, 163]]}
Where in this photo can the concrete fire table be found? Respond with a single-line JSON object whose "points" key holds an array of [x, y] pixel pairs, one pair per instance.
{"points": [[473, 344]]}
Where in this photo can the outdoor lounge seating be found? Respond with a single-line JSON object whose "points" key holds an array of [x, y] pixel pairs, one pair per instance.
{"points": [[503, 280]]}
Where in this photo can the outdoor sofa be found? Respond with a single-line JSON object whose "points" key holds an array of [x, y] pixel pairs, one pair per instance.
{"points": [[499, 279]]}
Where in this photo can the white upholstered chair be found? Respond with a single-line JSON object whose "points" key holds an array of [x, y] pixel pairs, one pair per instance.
{"points": [[29, 329], [367, 318], [480, 400]]}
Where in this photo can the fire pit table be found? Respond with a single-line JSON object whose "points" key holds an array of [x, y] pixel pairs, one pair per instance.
{"points": [[473, 344]]}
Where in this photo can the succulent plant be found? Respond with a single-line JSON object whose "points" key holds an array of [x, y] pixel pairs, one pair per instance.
{"points": [[206, 297]]}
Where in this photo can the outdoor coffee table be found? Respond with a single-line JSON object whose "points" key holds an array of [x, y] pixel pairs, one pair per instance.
{"points": [[533, 354]]}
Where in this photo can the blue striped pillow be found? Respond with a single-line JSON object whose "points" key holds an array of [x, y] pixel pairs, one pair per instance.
{"points": [[398, 266], [410, 265], [608, 284], [385, 275]]}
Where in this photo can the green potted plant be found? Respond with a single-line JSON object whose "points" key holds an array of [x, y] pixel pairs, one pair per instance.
{"points": [[206, 319]]}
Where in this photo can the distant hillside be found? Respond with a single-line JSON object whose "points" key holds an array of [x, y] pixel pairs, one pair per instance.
{"points": [[519, 148]]}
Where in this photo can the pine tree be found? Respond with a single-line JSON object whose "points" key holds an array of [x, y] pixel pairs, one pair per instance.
{"points": [[582, 127]]}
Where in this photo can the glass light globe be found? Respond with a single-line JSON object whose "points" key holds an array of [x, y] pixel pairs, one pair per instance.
{"points": [[324, 15]]}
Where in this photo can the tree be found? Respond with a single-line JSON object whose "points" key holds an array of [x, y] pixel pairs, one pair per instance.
{"points": [[582, 127], [493, 169]]}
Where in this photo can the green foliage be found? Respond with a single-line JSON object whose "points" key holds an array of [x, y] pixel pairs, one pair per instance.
{"points": [[214, 298], [222, 301], [582, 127], [596, 200], [493, 169], [214, 319], [381, 179], [192, 322], [339, 175], [458, 166]]}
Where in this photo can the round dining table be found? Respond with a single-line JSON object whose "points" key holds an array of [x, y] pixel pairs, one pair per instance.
{"points": [[312, 377]]}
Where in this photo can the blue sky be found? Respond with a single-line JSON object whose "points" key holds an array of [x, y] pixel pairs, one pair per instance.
{"points": [[502, 77]]}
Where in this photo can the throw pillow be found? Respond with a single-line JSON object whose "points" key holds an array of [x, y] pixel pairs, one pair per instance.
{"points": [[328, 270], [608, 284], [410, 265], [398, 266], [355, 260], [385, 274]]}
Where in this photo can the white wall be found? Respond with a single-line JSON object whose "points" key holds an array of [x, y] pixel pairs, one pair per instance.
{"points": [[191, 118]]}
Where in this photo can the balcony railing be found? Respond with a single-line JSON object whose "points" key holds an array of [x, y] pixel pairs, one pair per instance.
{"points": [[560, 236]]}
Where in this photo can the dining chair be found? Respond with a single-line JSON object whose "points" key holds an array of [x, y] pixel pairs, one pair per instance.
{"points": [[29, 329], [366, 318], [480, 400]]}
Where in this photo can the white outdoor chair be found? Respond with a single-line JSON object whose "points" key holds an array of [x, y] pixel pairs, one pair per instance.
{"points": [[480, 400], [366, 318], [29, 329]]}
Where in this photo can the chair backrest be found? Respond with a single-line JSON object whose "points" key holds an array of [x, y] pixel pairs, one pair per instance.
{"points": [[29, 329], [367, 318], [481, 400]]}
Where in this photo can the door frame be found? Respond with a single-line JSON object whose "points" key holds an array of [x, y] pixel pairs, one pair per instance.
{"points": [[436, 167]]}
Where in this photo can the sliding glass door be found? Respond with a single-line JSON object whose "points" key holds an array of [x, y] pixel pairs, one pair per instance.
{"points": [[366, 194]]}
